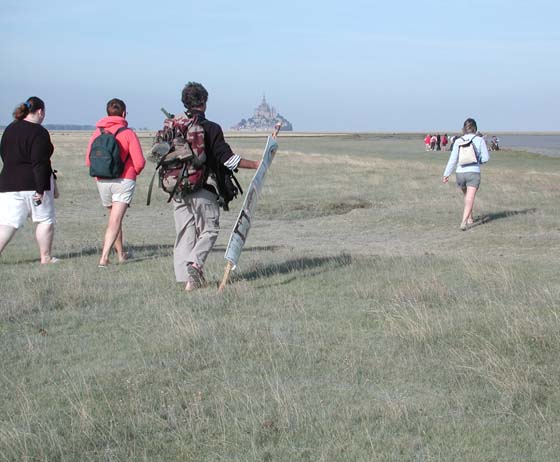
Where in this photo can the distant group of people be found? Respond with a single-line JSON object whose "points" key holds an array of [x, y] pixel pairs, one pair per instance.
{"points": [[436, 142], [440, 143], [28, 184]]}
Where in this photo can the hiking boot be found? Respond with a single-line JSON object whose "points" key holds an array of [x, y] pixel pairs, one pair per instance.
{"points": [[191, 285], [195, 278]]}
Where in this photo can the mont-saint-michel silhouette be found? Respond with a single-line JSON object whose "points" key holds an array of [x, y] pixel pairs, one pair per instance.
{"points": [[265, 117]]}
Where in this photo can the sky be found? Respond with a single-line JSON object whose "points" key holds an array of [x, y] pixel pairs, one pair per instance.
{"points": [[325, 66]]}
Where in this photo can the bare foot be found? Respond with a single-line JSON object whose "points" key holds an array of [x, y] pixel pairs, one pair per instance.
{"points": [[48, 260], [124, 257]]}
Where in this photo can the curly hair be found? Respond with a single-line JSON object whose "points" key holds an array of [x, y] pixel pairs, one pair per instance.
{"points": [[194, 95]]}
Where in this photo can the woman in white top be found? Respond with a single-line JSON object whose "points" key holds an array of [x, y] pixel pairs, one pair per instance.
{"points": [[467, 176]]}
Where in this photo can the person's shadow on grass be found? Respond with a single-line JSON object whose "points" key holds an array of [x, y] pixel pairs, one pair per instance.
{"points": [[148, 252], [487, 218], [137, 252], [296, 265], [143, 252]]}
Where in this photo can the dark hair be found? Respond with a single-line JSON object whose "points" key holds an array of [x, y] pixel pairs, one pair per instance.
{"points": [[470, 126], [194, 95], [33, 104], [116, 107]]}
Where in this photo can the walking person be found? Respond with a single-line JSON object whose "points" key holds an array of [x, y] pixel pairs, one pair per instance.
{"points": [[444, 142], [427, 139], [494, 143], [116, 193], [197, 213], [467, 176], [27, 186], [452, 141]]}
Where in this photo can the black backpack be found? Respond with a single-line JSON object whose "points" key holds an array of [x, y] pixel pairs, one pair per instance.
{"points": [[105, 155], [228, 186]]}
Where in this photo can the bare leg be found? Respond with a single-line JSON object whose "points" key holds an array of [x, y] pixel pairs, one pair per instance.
{"points": [[470, 194], [113, 231], [119, 247], [44, 233], [6, 234]]}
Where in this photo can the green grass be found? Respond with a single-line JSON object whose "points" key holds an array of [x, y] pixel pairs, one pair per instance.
{"points": [[360, 325]]}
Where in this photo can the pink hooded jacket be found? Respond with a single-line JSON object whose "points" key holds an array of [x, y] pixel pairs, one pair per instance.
{"points": [[131, 151]]}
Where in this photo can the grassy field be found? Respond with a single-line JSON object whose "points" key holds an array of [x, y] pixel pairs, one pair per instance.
{"points": [[361, 324]]}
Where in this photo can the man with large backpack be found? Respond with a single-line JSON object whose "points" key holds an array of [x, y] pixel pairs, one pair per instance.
{"points": [[196, 210]]}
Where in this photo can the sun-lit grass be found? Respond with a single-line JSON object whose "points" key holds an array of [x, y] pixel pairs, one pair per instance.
{"points": [[360, 325]]}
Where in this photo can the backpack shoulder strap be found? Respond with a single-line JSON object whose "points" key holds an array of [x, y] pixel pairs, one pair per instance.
{"points": [[122, 129], [234, 178], [102, 130], [149, 199], [477, 154], [158, 165]]}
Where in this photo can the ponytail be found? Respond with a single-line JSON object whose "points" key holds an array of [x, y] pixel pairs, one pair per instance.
{"points": [[33, 104], [21, 111]]}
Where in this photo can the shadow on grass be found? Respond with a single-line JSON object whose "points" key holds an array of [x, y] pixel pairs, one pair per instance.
{"points": [[504, 214], [255, 248], [149, 252], [139, 253], [318, 264]]}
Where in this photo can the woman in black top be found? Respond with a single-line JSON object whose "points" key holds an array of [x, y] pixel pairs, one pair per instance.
{"points": [[26, 181]]}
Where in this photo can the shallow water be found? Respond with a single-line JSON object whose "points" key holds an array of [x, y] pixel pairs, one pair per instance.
{"points": [[548, 145]]}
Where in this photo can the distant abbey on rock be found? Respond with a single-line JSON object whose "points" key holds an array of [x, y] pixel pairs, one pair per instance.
{"points": [[264, 118]]}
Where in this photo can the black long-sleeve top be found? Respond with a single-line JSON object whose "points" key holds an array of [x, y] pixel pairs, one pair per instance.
{"points": [[218, 151], [26, 151]]}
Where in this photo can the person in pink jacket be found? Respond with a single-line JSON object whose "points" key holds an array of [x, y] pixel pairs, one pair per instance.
{"points": [[116, 194]]}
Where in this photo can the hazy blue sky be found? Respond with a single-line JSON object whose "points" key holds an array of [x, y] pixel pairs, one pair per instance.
{"points": [[332, 65]]}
